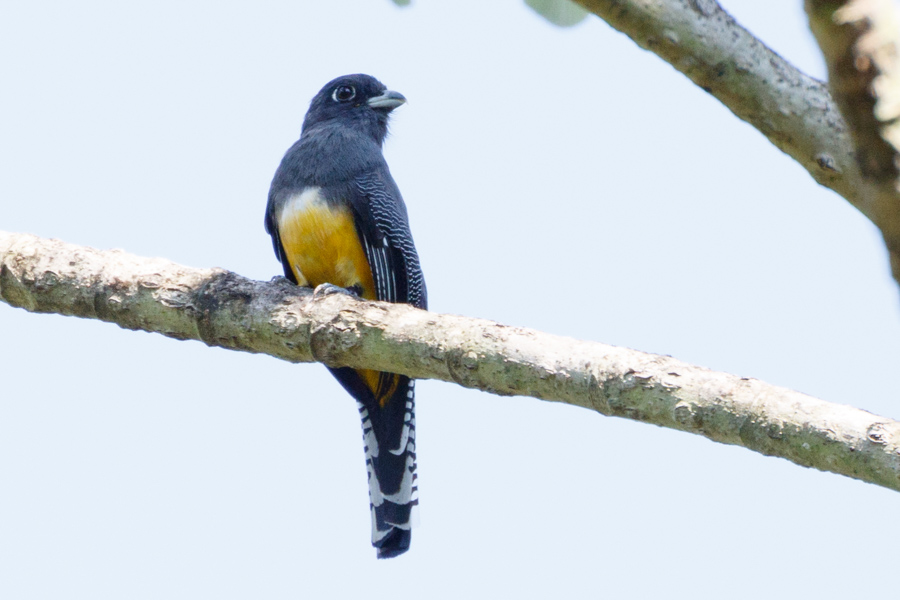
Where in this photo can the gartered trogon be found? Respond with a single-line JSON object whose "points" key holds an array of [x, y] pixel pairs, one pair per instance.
{"points": [[336, 216]]}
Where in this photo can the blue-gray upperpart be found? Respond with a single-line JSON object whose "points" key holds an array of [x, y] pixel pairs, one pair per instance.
{"points": [[359, 101], [348, 118]]}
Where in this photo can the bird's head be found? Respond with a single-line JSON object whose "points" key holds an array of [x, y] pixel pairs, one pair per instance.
{"points": [[358, 101]]}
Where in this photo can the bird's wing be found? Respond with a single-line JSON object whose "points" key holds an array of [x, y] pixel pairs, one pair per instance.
{"points": [[383, 228], [272, 230]]}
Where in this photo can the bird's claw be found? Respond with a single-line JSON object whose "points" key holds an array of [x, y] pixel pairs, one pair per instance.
{"points": [[326, 289]]}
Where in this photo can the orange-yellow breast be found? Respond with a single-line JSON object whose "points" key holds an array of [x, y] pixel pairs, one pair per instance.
{"points": [[322, 246]]}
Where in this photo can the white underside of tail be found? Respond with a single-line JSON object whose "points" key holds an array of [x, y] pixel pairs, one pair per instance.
{"points": [[408, 491]]}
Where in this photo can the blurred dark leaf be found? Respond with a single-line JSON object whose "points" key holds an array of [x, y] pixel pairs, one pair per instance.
{"points": [[402, 2], [563, 13]]}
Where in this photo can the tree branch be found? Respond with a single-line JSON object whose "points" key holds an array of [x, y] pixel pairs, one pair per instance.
{"points": [[794, 111], [859, 41], [277, 318]]}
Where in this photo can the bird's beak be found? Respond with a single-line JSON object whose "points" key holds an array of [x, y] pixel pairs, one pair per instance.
{"points": [[388, 99]]}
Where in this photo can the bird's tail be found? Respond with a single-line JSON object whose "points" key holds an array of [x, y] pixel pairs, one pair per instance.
{"points": [[389, 437]]}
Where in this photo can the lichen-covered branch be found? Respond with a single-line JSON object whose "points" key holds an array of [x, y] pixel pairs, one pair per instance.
{"points": [[859, 39], [794, 111], [277, 318]]}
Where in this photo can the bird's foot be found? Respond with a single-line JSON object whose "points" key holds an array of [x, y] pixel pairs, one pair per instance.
{"points": [[326, 289]]}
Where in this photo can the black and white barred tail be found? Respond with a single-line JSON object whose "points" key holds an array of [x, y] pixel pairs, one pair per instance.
{"points": [[389, 438], [391, 467]]}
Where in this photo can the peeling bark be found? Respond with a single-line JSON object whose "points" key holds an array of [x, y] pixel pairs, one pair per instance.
{"points": [[277, 318], [859, 41]]}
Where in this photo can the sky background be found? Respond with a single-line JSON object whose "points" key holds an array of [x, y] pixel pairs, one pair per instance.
{"points": [[557, 179]]}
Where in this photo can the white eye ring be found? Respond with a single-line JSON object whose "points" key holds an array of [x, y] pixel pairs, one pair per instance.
{"points": [[343, 93]]}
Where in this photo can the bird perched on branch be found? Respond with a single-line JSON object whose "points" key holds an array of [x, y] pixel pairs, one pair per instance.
{"points": [[336, 217]]}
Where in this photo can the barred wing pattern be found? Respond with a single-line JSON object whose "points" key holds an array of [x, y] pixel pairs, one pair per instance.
{"points": [[386, 208]]}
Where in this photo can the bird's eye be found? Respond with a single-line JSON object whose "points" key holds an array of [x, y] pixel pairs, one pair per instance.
{"points": [[343, 93]]}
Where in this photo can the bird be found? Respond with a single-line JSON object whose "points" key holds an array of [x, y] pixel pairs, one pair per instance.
{"points": [[336, 218]]}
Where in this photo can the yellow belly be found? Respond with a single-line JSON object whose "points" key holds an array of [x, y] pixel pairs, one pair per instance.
{"points": [[322, 246]]}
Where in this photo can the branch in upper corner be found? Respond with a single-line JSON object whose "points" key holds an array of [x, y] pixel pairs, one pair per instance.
{"points": [[794, 111], [562, 13], [859, 40], [277, 318]]}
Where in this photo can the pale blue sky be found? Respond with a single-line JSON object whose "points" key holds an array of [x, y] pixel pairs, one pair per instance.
{"points": [[562, 180]]}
